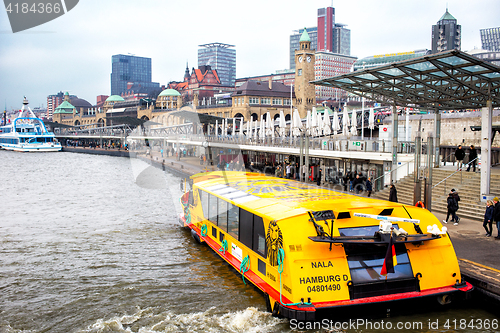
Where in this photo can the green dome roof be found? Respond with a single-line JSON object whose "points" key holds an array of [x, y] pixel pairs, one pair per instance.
{"points": [[114, 98], [305, 36], [64, 107], [169, 92]]}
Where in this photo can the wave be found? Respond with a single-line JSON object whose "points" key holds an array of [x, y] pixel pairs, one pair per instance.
{"points": [[249, 320]]}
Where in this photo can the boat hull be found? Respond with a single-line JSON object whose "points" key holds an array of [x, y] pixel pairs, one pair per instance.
{"points": [[318, 274], [32, 148]]}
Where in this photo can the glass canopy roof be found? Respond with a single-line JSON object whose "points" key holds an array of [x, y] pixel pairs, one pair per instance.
{"points": [[450, 80]]}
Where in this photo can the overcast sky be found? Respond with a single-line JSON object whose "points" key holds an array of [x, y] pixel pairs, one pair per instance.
{"points": [[73, 52]]}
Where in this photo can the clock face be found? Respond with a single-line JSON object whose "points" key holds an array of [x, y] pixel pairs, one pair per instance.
{"points": [[308, 59], [300, 59]]}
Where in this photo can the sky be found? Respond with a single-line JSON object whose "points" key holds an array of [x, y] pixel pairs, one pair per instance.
{"points": [[73, 52]]}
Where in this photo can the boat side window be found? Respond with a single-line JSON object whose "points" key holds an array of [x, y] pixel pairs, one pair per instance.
{"points": [[259, 236], [222, 215], [246, 227], [252, 232], [204, 203], [212, 208], [233, 220]]}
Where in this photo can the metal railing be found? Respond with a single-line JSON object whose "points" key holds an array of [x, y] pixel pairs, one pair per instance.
{"points": [[395, 169], [461, 178]]}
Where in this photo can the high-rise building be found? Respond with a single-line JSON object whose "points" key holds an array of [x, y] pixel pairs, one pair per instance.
{"points": [[446, 34], [127, 70], [294, 42], [330, 64], [490, 39], [327, 36], [53, 102], [222, 58]]}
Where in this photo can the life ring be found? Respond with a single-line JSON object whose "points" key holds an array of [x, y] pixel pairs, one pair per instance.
{"points": [[420, 204]]}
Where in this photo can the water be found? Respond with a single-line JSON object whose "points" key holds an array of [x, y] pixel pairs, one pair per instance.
{"points": [[92, 244]]}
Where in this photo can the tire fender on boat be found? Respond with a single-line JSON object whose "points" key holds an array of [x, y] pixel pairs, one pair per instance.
{"points": [[195, 236]]}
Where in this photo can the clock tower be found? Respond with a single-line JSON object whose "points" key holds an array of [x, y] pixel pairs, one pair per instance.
{"points": [[305, 92]]}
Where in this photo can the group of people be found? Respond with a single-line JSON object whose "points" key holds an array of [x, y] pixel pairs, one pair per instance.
{"points": [[452, 205], [460, 155], [492, 213]]}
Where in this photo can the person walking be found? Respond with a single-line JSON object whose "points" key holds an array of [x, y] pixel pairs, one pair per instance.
{"points": [[457, 199], [318, 179], [452, 206], [357, 184], [393, 194], [488, 217], [472, 158], [459, 155], [369, 186], [288, 171], [496, 215]]}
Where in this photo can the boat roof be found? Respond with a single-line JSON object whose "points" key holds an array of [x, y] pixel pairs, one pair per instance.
{"points": [[279, 198]]}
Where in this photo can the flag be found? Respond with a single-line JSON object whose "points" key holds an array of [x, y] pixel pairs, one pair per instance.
{"points": [[390, 259]]}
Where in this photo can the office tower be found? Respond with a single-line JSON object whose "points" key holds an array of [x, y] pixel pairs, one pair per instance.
{"points": [[128, 70], [326, 36], [490, 39], [220, 57], [294, 42], [446, 34]]}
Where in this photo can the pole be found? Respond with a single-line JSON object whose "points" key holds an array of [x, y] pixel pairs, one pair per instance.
{"points": [[362, 118], [417, 187], [437, 136], [394, 144], [428, 185]]}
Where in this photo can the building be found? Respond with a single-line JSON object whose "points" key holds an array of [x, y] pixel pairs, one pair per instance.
{"points": [[53, 101], [294, 42], [330, 64], [446, 34], [492, 57], [128, 70], [490, 39], [304, 73], [222, 58], [388, 58], [287, 77], [203, 81], [326, 36]]}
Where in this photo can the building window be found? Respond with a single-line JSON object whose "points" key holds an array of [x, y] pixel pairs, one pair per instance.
{"points": [[276, 101], [253, 100], [299, 72], [286, 101], [266, 101]]}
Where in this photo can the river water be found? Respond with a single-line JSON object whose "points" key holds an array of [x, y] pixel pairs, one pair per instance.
{"points": [[92, 244]]}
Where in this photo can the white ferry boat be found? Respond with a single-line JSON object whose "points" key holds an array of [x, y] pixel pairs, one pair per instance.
{"points": [[27, 133]]}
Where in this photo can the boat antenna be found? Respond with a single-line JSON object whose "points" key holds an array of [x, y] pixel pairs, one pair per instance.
{"points": [[5, 114]]}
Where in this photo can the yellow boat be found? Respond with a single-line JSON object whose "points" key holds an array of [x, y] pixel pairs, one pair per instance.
{"points": [[311, 249]]}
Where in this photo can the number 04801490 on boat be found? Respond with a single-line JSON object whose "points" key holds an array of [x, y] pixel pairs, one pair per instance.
{"points": [[311, 249]]}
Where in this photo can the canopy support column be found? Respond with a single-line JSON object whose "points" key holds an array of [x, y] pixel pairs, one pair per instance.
{"points": [[486, 118], [394, 144], [437, 136]]}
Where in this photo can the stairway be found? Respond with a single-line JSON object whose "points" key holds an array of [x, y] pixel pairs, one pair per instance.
{"points": [[467, 184]]}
